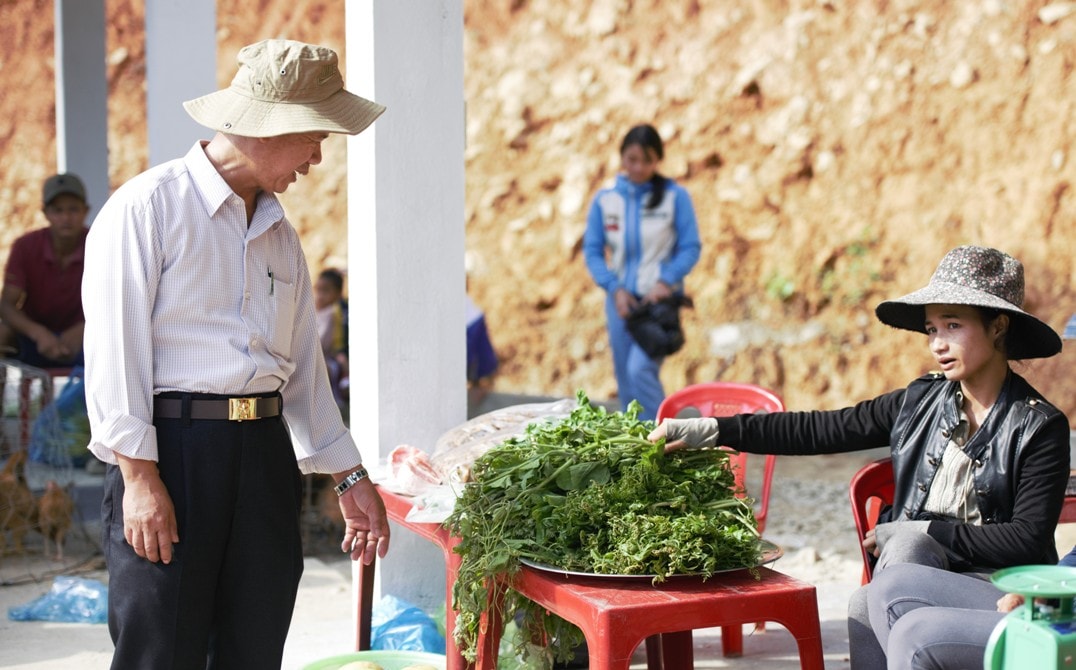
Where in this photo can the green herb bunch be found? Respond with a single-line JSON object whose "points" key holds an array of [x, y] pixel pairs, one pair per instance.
{"points": [[590, 493]]}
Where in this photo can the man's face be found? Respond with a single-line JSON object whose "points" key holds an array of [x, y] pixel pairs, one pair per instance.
{"points": [[284, 157], [66, 215]]}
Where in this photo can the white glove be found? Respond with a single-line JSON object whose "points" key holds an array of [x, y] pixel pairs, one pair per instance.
{"points": [[695, 433]]}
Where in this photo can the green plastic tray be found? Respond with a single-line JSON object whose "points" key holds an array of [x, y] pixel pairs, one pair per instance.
{"points": [[1040, 581], [387, 659]]}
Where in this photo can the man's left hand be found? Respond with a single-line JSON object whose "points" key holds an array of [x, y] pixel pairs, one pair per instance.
{"points": [[366, 532]]}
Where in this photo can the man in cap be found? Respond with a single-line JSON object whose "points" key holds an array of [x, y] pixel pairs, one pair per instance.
{"points": [[41, 301], [202, 356]]}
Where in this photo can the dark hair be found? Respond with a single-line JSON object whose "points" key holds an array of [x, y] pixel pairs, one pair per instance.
{"points": [[647, 137], [334, 277]]}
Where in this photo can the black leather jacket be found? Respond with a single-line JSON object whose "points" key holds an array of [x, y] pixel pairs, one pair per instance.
{"points": [[1021, 455]]}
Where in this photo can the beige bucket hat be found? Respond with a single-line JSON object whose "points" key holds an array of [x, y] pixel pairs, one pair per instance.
{"points": [[284, 87], [979, 277]]}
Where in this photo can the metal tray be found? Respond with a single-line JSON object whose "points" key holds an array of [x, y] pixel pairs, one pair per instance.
{"points": [[770, 553]]}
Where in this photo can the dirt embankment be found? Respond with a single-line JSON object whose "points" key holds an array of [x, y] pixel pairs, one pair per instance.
{"points": [[834, 150]]}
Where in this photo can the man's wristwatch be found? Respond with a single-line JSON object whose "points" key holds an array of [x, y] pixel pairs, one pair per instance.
{"points": [[351, 480]]}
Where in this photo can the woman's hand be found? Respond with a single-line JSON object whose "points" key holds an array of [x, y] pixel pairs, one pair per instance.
{"points": [[1009, 602], [686, 433], [876, 538], [660, 292], [659, 433], [625, 302], [870, 543]]}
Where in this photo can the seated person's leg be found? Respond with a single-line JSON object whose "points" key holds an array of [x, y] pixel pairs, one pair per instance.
{"points": [[901, 589], [864, 651], [937, 638], [907, 543]]}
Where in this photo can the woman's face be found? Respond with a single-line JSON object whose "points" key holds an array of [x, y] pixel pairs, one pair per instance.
{"points": [[639, 163], [961, 343]]}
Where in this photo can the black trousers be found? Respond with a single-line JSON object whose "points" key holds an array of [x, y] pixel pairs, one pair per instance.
{"points": [[226, 599]]}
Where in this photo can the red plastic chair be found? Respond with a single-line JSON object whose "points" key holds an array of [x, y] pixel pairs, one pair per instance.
{"points": [[871, 489], [724, 399], [727, 399]]}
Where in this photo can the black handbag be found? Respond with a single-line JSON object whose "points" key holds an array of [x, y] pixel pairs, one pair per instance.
{"points": [[656, 328]]}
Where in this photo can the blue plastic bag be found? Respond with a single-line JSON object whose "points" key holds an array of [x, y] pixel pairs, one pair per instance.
{"points": [[61, 432], [70, 600], [397, 624]]}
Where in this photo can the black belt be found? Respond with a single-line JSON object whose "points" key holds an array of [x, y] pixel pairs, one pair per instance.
{"points": [[231, 409]]}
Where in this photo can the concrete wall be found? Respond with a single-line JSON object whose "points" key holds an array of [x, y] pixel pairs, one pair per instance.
{"points": [[405, 248]]}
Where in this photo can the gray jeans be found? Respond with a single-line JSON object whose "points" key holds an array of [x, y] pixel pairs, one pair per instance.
{"points": [[925, 618], [910, 546]]}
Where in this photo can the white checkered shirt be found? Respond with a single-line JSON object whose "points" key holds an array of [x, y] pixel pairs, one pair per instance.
{"points": [[181, 295]]}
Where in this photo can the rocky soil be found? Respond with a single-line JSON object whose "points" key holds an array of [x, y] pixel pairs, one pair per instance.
{"points": [[834, 150]]}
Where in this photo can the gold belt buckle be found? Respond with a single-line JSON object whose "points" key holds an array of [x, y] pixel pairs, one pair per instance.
{"points": [[242, 409]]}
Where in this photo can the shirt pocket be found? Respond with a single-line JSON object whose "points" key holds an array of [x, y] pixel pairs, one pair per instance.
{"points": [[281, 317]]}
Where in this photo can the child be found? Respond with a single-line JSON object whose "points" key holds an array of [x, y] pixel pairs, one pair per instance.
{"points": [[330, 311]]}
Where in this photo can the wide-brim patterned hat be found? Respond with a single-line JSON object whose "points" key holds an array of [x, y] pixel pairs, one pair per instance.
{"points": [[979, 277], [285, 87]]}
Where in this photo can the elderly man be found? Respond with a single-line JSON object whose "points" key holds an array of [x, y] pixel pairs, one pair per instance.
{"points": [[201, 356]]}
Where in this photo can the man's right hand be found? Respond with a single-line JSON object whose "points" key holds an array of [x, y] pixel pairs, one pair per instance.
{"points": [[51, 346], [149, 519]]}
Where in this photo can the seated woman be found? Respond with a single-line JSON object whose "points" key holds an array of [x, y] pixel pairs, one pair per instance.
{"points": [[932, 619], [980, 459]]}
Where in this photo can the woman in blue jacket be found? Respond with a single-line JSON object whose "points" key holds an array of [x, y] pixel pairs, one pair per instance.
{"points": [[647, 223]]}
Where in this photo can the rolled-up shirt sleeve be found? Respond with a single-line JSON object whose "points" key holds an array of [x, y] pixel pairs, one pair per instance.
{"points": [[321, 441], [186, 292], [122, 269]]}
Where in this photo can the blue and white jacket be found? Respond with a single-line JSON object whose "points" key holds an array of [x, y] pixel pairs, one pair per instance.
{"points": [[646, 245]]}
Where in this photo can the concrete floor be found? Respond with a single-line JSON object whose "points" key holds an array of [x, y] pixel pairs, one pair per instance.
{"points": [[322, 625]]}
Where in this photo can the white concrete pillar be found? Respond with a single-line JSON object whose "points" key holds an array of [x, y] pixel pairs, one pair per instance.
{"points": [[82, 96], [405, 248], [181, 64]]}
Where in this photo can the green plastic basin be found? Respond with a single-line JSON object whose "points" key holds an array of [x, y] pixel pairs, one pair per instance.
{"points": [[387, 659]]}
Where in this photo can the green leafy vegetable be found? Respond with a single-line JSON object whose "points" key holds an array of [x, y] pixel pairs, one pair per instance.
{"points": [[590, 493]]}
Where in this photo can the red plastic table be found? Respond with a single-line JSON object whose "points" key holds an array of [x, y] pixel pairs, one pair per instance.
{"points": [[617, 615], [397, 507]]}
